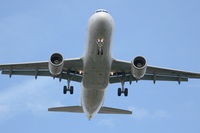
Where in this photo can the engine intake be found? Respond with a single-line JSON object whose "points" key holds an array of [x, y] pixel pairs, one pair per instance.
{"points": [[139, 66], [56, 64]]}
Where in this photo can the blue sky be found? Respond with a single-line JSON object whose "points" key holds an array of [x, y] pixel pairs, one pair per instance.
{"points": [[166, 32]]}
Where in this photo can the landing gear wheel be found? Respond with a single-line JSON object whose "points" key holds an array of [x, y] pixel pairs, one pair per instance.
{"points": [[119, 92], [71, 90], [100, 51], [126, 92], [65, 90]]}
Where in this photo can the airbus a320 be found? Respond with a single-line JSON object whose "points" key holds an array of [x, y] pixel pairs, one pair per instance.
{"points": [[96, 69]]}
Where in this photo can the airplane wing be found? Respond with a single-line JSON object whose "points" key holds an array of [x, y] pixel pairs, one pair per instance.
{"points": [[70, 70], [122, 72]]}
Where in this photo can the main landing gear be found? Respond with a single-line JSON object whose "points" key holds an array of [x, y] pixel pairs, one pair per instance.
{"points": [[68, 88], [122, 90]]}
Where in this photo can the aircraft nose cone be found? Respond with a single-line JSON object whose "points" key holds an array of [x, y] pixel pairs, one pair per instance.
{"points": [[102, 19]]}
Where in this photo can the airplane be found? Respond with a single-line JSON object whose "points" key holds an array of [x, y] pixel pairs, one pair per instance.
{"points": [[96, 69]]}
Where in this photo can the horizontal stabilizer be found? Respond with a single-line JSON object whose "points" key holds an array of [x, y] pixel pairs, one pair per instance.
{"points": [[74, 109], [108, 110], [79, 109]]}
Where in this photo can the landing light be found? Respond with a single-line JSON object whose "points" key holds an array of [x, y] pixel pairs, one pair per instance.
{"points": [[80, 72], [100, 40]]}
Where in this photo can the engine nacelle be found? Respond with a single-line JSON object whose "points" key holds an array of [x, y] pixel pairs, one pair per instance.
{"points": [[139, 66], [56, 64]]}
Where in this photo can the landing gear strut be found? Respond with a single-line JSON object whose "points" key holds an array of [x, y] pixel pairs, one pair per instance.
{"points": [[122, 90], [68, 88]]}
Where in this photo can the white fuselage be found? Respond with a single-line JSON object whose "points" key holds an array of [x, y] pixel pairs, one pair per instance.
{"points": [[97, 62]]}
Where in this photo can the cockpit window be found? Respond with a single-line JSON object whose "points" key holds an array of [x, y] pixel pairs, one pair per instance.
{"points": [[101, 10]]}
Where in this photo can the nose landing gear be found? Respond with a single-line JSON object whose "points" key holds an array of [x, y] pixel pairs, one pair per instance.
{"points": [[100, 42]]}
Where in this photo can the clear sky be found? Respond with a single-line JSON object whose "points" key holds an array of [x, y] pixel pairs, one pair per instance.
{"points": [[166, 32]]}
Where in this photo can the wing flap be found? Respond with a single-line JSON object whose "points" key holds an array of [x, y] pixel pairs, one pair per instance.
{"points": [[129, 77], [71, 76], [27, 72]]}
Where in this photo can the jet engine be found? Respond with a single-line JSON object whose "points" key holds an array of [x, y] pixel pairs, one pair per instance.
{"points": [[139, 66], [56, 64]]}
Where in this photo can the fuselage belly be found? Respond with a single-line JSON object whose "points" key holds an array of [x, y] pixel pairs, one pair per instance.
{"points": [[97, 62]]}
